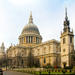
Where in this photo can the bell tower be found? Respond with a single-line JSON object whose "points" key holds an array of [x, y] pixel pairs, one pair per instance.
{"points": [[2, 52], [67, 42]]}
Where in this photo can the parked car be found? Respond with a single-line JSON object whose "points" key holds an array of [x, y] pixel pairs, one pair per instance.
{"points": [[1, 72]]}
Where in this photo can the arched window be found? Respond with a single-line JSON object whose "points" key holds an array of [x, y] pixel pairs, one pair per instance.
{"points": [[44, 60], [37, 40], [29, 39]]}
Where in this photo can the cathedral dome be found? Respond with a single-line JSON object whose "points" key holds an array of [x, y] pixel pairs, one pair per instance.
{"points": [[30, 28], [30, 34]]}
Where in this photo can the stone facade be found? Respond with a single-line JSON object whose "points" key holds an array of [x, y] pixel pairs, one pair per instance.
{"points": [[67, 43], [51, 52], [48, 51]]}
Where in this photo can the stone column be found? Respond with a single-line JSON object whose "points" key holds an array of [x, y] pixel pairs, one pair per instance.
{"points": [[30, 39]]}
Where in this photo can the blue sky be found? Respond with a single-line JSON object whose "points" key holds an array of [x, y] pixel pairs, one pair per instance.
{"points": [[48, 15]]}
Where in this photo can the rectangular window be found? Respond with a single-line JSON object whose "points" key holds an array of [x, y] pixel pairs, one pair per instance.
{"points": [[37, 40], [31, 39], [63, 40], [70, 39], [63, 50], [44, 60]]}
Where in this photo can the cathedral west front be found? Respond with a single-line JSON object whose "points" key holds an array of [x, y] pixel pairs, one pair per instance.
{"points": [[52, 52]]}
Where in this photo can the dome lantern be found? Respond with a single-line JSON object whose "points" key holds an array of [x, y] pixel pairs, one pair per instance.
{"points": [[30, 18]]}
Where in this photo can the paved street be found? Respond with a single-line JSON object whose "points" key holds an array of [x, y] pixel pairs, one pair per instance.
{"points": [[14, 73]]}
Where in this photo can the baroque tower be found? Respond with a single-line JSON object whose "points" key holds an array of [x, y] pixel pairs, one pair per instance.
{"points": [[2, 51], [67, 42]]}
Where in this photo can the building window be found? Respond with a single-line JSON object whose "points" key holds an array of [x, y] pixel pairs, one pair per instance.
{"points": [[21, 54], [44, 60], [37, 40], [31, 39], [44, 50], [63, 40], [63, 50], [70, 39], [26, 39]]}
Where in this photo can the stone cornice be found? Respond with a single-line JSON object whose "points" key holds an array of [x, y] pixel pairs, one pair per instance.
{"points": [[50, 42], [66, 33]]}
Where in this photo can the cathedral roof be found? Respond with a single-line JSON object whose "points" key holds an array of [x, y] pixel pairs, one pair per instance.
{"points": [[30, 27]]}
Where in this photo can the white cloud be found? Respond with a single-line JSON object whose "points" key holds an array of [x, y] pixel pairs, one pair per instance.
{"points": [[23, 2]]}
